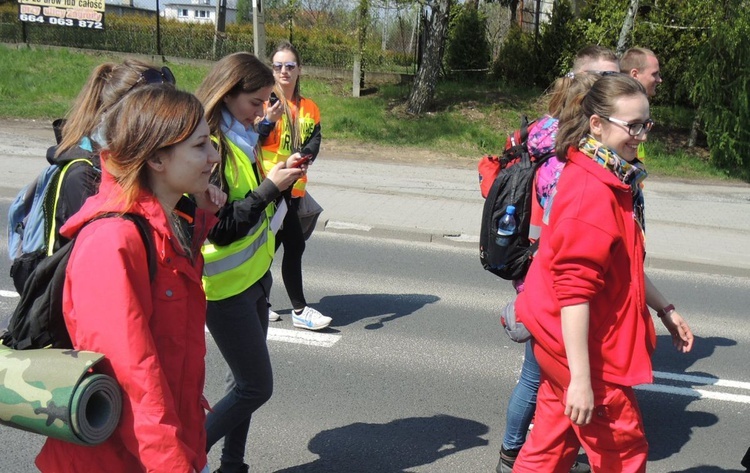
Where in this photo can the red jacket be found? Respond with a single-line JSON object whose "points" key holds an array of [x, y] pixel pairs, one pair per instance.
{"points": [[592, 251], [152, 334]]}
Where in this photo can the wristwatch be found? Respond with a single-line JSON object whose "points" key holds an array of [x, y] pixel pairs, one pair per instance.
{"points": [[666, 310]]}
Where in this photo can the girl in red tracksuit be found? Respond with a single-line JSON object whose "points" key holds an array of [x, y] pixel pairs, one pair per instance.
{"points": [[151, 331], [585, 297]]}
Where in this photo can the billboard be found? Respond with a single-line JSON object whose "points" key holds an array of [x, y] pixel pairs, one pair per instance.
{"points": [[68, 13]]}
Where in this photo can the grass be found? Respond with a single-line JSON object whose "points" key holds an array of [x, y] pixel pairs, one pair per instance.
{"points": [[466, 121]]}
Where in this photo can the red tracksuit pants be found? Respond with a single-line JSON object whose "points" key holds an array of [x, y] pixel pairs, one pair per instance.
{"points": [[614, 440]]}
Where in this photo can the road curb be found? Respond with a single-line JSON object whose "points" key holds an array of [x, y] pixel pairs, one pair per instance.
{"points": [[472, 242]]}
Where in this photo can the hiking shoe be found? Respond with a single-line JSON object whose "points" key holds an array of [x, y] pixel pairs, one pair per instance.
{"points": [[580, 468], [310, 319], [507, 460], [273, 316]]}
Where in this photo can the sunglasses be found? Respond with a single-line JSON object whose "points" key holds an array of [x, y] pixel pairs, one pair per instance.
{"points": [[290, 66], [634, 129], [605, 73], [153, 76]]}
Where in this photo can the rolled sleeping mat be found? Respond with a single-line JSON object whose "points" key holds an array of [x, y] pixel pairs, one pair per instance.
{"points": [[53, 392]]}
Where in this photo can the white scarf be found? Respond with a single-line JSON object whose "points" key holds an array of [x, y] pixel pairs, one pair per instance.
{"points": [[245, 138]]}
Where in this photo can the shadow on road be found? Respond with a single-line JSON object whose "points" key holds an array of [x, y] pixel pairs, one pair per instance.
{"points": [[391, 447], [349, 308], [668, 422], [708, 469]]}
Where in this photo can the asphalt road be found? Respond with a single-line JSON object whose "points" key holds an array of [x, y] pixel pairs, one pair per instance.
{"points": [[414, 373]]}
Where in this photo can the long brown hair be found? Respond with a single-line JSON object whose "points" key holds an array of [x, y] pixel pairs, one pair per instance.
{"points": [[151, 118], [106, 85], [232, 75], [567, 87], [599, 100]]}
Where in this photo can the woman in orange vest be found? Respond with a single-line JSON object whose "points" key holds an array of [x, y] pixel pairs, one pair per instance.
{"points": [[292, 126]]}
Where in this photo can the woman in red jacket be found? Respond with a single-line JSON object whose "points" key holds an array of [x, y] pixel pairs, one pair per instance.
{"points": [[158, 148], [586, 295]]}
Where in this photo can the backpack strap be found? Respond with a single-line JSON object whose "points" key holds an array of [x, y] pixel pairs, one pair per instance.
{"points": [[51, 218]]}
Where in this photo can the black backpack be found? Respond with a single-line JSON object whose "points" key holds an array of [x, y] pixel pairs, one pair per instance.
{"points": [[38, 319], [512, 186]]}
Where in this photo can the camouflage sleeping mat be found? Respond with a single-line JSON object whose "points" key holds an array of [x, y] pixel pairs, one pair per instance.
{"points": [[53, 393]]}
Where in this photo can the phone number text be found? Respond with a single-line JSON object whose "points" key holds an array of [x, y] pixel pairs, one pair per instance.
{"points": [[97, 25]]}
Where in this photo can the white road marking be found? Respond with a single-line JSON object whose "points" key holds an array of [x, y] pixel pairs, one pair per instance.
{"points": [[702, 380], [301, 337], [696, 393], [347, 226], [8, 294]]}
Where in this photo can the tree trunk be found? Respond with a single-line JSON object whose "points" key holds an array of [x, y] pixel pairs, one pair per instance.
{"points": [[423, 90], [694, 130], [627, 27]]}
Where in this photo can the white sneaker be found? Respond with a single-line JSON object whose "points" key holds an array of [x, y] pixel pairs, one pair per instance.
{"points": [[273, 316], [310, 319]]}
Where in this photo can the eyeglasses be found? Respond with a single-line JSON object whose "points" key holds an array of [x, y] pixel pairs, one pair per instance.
{"points": [[153, 76], [572, 75], [290, 66], [634, 129]]}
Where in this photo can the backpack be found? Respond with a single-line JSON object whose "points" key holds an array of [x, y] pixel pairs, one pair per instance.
{"points": [[512, 185], [490, 165], [31, 221], [38, 321]]}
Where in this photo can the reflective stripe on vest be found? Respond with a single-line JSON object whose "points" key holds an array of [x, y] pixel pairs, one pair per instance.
{"points": [[232, 261], [231, 269]]}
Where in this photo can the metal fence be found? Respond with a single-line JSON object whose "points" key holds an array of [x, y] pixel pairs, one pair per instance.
{"points": [[140, 35]]}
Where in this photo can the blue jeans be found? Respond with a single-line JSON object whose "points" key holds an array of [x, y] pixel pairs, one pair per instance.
{"points": [[522, 403], [239, 325]]}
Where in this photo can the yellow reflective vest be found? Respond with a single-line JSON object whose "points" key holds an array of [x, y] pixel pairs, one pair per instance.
{"points": [[231, 269]]}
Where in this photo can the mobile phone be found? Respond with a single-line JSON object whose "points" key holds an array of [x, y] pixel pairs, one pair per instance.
{"points": [[304, 159], [273, 99]]}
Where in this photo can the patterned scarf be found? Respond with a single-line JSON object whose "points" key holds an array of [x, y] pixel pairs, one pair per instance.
{"points": [[631, 174], [245, 139]]}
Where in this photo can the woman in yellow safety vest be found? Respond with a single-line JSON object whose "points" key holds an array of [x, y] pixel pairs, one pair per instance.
{"points": [[240, 247]]}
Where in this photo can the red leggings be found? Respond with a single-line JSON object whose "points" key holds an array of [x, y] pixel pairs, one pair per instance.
{"points": [[614, 441]]}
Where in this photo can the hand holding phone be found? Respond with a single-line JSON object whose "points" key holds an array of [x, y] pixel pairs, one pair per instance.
{"points": [[304, 159], [273, 99]]}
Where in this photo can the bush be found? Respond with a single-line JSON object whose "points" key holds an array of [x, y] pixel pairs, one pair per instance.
{"points": [[523, 61], [467, 51], [514, 62], [721, 73]]}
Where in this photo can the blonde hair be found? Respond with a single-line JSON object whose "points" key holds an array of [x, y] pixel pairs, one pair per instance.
{"points": [[106, 85], [635, 58], [149, 119], [232, 75], [599, 100]]}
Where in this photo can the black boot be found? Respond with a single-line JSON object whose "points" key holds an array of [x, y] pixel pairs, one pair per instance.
{"points": [[507, 459]]}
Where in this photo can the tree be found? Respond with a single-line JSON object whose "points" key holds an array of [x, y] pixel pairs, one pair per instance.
{"points": [[423, 90], [468, 50], [721, 75]]}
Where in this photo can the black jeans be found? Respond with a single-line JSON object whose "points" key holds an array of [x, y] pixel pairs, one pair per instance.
{"points": [[290, 235], [239, 326]]}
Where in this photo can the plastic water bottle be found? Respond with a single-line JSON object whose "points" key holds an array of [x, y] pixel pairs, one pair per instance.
{"points": [[506, 226]]}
